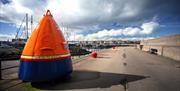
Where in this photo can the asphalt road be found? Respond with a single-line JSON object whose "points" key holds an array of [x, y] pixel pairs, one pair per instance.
{"points": [[119, 69]]}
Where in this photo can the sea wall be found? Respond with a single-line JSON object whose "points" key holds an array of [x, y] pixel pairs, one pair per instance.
{"points": [[167, 46]]}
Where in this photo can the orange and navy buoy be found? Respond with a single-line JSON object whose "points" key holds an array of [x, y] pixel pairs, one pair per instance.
{"points": [[46, 55]]}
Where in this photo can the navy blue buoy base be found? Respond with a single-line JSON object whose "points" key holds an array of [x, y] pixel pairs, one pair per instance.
{"points": [[36, 71]]}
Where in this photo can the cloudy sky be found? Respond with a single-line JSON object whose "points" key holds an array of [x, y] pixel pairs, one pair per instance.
{"points": [[96, 19]]}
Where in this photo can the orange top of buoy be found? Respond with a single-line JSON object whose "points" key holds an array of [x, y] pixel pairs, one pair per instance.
{"points": [[46, 41]]}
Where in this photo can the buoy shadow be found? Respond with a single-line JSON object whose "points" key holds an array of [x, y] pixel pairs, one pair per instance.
{"points": [[88, 79]]}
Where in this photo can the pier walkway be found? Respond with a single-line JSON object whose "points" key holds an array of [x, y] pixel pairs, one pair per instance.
{"points": [[119, 69]]}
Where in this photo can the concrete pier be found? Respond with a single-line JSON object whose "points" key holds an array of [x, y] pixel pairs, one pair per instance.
{"points": [[119, 69]]}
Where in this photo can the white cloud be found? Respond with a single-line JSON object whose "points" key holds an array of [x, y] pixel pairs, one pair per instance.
{"points": [[131, 31], [72, 12], [149, 27], [81, 16], [138, 38], [145, 29], [13, 12], [4, 37]]}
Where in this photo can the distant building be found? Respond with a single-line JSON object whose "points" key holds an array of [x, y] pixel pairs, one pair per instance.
{"points": [[19, 41], [5, 43]]}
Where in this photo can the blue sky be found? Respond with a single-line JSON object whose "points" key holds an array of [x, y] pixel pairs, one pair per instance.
{"points": [[96, 19]]}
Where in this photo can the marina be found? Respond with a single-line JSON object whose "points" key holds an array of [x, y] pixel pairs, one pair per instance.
{"points": [[89, 45]]}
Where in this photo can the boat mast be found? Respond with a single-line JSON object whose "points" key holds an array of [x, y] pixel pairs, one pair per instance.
{"points": [[27, 25], [31, 23]]}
